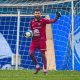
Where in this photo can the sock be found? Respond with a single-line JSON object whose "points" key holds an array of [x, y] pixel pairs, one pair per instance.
{"points": [[44, 62], [34, 59]]}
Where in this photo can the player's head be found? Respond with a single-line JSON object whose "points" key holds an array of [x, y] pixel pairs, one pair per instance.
{"points": [[37, 13]]}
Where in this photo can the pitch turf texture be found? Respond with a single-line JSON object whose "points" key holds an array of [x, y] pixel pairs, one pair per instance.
{"points": [[28, 75]]}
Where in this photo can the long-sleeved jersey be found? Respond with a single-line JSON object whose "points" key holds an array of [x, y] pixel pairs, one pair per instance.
{"points": [[39, 28]]}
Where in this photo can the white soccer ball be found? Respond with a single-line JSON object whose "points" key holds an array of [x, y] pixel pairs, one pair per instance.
{"points": [[28, 34]]}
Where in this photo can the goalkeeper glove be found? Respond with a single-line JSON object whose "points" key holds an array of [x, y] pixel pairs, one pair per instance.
{"points": [[58, 15]]}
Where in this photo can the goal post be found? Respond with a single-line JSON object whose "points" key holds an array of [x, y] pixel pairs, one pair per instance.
{"points": [[50, 63], [72, 3], [17, 41]]}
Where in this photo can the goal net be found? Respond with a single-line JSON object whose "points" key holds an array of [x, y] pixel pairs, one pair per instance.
{"points": [[15, 17]]}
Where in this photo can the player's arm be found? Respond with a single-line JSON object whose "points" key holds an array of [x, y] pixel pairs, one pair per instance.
{"points": [[58, 15]]}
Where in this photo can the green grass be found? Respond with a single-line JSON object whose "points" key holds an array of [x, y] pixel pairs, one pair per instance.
{"points": [[28, 75]]}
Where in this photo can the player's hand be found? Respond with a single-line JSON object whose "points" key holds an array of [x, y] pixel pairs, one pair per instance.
{"points": [[58, 15]]}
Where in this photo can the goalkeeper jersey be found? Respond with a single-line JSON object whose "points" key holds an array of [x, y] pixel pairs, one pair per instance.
{"points": [[39, 28]]}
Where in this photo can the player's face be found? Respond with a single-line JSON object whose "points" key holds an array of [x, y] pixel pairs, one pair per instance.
{"points": [[37, 14]]}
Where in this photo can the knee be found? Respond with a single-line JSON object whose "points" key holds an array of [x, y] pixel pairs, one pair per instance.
{"points": [[43, 54], [31, 55], [31, 52]]}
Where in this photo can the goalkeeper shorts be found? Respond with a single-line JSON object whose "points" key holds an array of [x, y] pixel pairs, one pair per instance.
{"points": [[40, 44]]}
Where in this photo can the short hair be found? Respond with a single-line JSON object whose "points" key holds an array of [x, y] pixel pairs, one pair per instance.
{"points": [[36, 9]]}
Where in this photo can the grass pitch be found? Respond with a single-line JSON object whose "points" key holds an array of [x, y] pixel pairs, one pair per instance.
{"points": [[28, 75]]}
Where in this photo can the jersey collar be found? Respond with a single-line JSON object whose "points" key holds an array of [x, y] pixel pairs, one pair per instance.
{"points": [[36, 19]]}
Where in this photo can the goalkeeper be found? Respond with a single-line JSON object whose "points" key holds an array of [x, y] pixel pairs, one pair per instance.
{"points": [[38, 27]]}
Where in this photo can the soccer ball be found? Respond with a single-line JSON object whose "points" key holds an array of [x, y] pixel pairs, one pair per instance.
{"points": [[28, 34]]}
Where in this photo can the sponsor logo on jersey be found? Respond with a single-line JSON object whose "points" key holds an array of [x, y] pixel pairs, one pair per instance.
{"points": [[36, 32]]}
